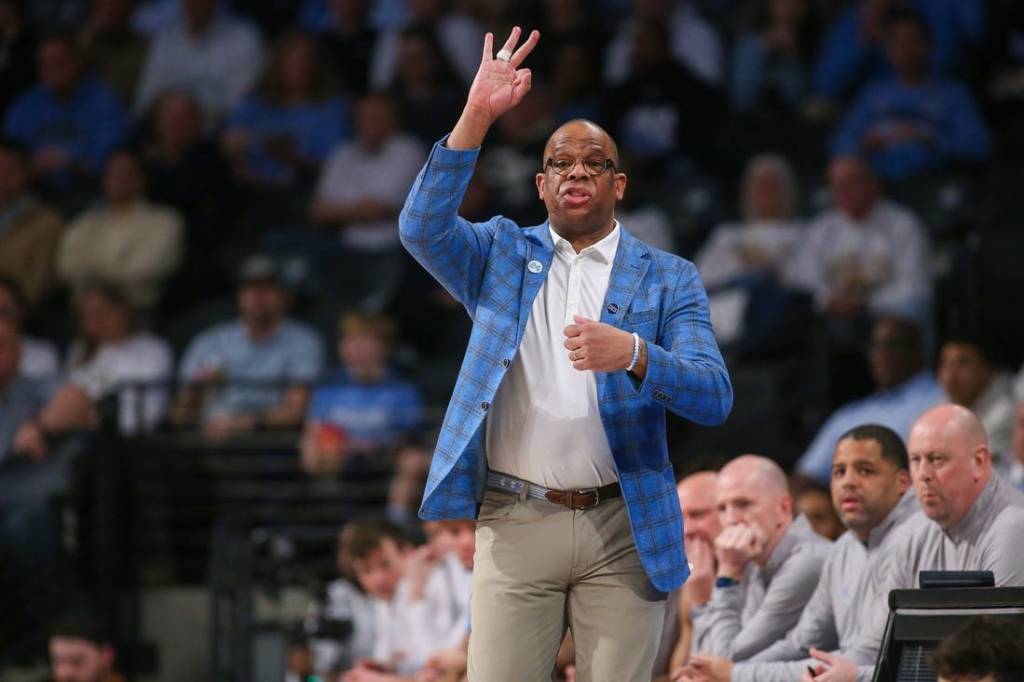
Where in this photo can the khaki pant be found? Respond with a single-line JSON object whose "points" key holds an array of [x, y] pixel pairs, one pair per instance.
{"points": [[540, 568]]}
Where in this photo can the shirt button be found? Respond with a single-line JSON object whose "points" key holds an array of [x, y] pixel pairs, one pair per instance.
{"points": [[484, 405], [506, 362]]}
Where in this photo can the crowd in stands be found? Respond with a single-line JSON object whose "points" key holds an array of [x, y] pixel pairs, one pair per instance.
{"points": [[199, 197]]}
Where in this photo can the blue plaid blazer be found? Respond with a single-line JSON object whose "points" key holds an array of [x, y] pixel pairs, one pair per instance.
{"points": [[656, 294]]}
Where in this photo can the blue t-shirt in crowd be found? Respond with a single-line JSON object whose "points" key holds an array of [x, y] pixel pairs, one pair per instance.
{"points": [[314, 128], [86, 125], [898, 408], [943, 111], [20, 400], [292, 354], [371, 414]]}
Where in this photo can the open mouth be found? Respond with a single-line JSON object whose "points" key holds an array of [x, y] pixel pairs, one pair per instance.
{"points": [[576, 196]]}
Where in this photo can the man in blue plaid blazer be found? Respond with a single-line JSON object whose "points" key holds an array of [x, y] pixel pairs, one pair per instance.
{"points": [[554, 438]]}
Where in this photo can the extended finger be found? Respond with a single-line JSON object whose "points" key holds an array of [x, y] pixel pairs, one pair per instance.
{"points": [[488, 47], [513, 38], [525, 49]]}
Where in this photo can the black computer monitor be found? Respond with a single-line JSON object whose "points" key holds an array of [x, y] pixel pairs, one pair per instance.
{"points": [[920, 619]]}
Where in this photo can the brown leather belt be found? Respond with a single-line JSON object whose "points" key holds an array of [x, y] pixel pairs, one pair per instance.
{"points": [[585, 498]]}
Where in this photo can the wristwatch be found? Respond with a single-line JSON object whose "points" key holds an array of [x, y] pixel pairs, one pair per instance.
{"points": [[725, 581]]}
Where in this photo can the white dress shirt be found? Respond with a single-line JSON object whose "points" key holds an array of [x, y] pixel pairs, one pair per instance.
{"points": [[544, 425]]}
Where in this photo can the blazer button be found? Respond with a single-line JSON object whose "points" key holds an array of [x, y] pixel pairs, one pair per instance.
{"points": [[484, 405], [506, 362]]}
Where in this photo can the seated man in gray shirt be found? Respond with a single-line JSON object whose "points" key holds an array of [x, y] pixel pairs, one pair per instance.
{"points": [[768, 563], [975, 523], [870, 480]]}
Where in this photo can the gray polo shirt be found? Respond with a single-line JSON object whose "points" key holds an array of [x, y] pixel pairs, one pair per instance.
{"points": [[744, 619], [989, 538], [836, 610]]}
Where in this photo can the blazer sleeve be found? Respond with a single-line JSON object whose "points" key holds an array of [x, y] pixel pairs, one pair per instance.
{"points": [[685, 371], [453, 250]]}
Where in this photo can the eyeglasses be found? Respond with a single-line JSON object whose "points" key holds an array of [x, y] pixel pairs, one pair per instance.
{"points": [[594, 167]]}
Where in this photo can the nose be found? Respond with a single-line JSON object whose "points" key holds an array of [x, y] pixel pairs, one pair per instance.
{"points": [[578, 170]]}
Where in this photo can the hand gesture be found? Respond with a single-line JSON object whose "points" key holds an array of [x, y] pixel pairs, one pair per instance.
{"points": [[597, 346], [698, 586], [500, 84], [736, 546], [838, 669]]}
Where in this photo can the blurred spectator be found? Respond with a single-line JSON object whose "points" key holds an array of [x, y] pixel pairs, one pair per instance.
{"points": [[81, 649], [663, 115], [968, 377], [904, 389], [867, 255], [343, 622], [815, 503], [29, 230], [771, 58], [768, 562], [281, 134], [360, 193], [853, 48], [254, 372], [741, 259], [349, 44], [39, 357], [914, 122], [420, 606], [109, 355], [690, 38], [701, 526], [426, 87], [1004, 73], [364, 407], [127, 242], [186, 171], [570, 24], [1017, 447], [112, 48], [459, 35], [17, 39], [575, 82], [21, 397], [69, 121], [209, 54], [985, 648]]}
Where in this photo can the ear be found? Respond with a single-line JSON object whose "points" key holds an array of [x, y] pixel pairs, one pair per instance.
{"points": [[786, 506], [903, 480], [620, 185], [540, 180], [108, 655], [981, 459]]}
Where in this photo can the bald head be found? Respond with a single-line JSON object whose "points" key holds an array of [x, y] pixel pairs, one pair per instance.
{"points": [[759, 471], [752, 490], [586, 131], [697, 500], [949, 462]]}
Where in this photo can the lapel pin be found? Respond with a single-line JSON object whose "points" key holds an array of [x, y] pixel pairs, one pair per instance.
{"points": [[534, 266], [613, 308]]}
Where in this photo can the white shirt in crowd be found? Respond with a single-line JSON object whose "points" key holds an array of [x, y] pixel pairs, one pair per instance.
{"points": [[140, 358], [353, 173], [544, 425], [217, 67], [410, 631], [461, 38], [886, 256], [694, 43], [734, 250]]}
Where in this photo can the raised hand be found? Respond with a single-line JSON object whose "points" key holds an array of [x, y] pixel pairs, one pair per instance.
{"points": [[498, 86]]}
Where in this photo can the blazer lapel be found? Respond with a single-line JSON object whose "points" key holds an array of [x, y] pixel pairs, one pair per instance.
{"points": [[539, 253], [632, 259]]}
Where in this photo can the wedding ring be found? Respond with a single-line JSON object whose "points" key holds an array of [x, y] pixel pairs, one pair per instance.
{"points": [[503, 55]]}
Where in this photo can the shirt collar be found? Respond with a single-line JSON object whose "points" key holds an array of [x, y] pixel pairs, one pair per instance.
{"points": [[981, 512], [903, 510], [603, 251]]}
